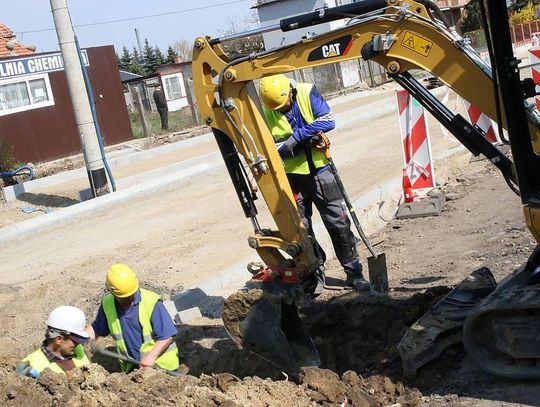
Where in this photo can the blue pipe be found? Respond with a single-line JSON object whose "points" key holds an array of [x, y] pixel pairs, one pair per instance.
{"points": [[92, 100], [24, 170]]}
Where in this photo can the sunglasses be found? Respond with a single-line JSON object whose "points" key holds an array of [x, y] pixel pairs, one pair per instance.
{"points": [[74, 337]]}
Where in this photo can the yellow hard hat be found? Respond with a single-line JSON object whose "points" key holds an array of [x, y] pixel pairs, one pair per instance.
{"points": [[121, 281], [274, 91]]}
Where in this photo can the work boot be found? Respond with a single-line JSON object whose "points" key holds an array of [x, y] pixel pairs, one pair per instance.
{"points": [[358, 282]]}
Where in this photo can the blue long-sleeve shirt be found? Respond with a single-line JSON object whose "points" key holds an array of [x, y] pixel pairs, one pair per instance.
{"points": [[324, 119], [303, 132], [162, 325]]}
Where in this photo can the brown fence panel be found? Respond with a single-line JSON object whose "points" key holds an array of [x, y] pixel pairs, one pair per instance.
{"points": [[527, 31], [50, 132]]}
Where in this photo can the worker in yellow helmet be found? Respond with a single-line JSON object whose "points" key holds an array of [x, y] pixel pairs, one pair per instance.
{"points": [[62, 350], [296, 113], [138, 322]]}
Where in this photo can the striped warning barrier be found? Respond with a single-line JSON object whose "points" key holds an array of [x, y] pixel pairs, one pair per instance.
{"points": [[477, 118], [534, 59], [416, 147]]}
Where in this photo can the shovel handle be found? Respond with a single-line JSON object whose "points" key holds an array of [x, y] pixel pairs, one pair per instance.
{"points": [[322, 143], [125, 358], [350, 207], [115, 355]]}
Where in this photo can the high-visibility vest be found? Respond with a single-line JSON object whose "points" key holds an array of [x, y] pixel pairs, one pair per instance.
{"points": [[168, 360], [40, 362], [282, 130]]}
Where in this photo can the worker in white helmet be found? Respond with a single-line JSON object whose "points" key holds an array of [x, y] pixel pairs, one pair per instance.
{"points": [[62, 350]]}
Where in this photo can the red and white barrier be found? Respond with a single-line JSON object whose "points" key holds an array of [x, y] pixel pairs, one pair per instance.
{"points": [[476, 117], [416, 147], [534, 59]]}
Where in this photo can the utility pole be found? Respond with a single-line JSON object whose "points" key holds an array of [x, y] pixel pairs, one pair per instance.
{"points": [[79, 98], [138, 41]]}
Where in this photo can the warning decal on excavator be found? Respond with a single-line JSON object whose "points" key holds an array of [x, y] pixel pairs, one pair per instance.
{"points": [[416, 43], [334, 48]]}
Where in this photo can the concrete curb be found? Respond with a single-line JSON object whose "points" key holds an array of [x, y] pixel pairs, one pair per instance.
{"points": [[116, 158], [373, 110], [185, 171], [228, 281]]}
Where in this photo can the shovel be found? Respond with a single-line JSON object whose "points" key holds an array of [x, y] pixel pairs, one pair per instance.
{"points": [[126, 358], [378, 275]]}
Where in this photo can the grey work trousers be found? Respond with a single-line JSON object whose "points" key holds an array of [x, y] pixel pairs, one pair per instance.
{"points": [[323, 191]]}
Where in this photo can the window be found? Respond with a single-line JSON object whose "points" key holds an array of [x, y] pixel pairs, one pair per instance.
{"points": [[174, 88], [18, 95]]}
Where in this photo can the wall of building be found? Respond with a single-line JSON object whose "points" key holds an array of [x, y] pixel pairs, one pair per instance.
{"points": [[328, 78], [50, 132], [271, 13]]}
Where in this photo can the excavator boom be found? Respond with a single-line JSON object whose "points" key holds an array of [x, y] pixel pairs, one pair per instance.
{"points": [[402, 36]]}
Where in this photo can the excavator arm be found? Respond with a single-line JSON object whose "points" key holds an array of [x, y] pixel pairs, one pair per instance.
{"points": [[402, 36]]}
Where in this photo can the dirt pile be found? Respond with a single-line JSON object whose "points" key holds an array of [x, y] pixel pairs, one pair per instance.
{"points": [[93, 386]]}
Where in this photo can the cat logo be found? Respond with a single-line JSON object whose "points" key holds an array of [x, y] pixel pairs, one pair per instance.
{"points": [[334, 48], [331, 50]]}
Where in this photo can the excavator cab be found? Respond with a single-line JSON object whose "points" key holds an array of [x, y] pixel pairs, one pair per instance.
{"points": [[500, 324]]}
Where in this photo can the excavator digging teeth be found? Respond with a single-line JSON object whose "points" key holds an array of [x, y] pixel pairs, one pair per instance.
{"points": [[441, 327], [263, 318]]}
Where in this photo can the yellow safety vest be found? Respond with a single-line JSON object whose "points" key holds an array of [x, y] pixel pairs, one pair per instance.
{"points": [[282, 130], [168, 360], [40, 362]]}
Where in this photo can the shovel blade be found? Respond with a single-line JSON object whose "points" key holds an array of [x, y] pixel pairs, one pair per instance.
{"points": [[378, 274], [264, 319]]}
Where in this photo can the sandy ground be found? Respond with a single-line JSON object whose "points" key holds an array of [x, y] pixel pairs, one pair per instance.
{"points": [[171, 234], [356, 334], [180, 238]]}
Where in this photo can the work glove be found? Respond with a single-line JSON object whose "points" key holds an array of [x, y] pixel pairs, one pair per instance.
{"points": [[286, 148], [24, 369]]}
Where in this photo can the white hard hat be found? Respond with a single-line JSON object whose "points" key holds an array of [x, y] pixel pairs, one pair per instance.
{"points": [[69, 319]]}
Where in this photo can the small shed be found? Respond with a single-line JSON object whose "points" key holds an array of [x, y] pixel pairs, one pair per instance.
{"points": [[174, 78]]}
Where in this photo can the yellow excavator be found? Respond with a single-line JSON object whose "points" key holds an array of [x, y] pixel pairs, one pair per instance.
{"points": [[499, 324]]}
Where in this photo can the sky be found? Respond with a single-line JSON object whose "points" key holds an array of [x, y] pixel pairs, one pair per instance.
{"points": [[96, 21]]}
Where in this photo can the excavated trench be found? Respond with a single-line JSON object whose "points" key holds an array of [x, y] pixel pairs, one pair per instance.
{"points": [[356, 336], [351, 332], [361, 333]]}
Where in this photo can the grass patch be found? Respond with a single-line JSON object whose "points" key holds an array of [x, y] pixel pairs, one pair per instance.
{"points": [[178, 120]]}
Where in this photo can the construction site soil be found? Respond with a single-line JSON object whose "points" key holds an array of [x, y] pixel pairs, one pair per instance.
{"points": [[356, 334]]}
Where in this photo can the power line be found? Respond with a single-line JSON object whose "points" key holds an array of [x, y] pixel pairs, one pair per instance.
{"points": [[138, 18]]}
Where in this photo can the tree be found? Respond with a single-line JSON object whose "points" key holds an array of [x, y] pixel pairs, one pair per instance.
{"points": [[241, 46], [171, 55], [149, 57], [126, 60], [471, 19], [183, 49], [517, 5], [137, 65], [524, 14], [161, 60]]}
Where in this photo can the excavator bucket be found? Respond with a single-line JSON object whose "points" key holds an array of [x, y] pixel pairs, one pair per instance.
{"points": [[263, 318]]}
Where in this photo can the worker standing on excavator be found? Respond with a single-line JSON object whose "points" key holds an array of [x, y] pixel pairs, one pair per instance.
{"points": [[62, 350], [296, 112], [137, 320]]}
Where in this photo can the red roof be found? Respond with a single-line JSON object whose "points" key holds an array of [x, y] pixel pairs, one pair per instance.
{"points": [[9, 46]]}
